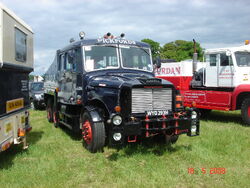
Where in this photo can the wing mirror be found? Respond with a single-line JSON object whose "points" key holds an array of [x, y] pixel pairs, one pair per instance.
{"points": [[157, 62]]}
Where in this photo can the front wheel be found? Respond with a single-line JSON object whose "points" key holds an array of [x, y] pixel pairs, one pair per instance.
{"points": [[245, 111], [93, 134]]}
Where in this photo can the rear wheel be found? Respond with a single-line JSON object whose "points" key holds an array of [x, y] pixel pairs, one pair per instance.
{"points": [[245, 111], [93, 134], [49, 109]]}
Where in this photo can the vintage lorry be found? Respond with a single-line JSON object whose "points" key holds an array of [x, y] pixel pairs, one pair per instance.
{"points": [[105, 89], [221, 82], [16, 62]]}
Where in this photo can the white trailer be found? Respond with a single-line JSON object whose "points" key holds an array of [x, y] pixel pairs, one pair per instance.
{"points": [[16, 62]]}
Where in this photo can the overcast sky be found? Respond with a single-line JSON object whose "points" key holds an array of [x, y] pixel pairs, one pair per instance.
{"points": [[213, 23]]}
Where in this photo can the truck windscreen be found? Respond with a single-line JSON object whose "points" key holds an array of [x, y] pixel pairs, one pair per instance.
{"points": [[100, 57], [37, 86], [243, 59], [136, 58]]}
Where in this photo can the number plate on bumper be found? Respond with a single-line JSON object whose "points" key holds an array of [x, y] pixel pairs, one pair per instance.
{"points": [[157, 112]]}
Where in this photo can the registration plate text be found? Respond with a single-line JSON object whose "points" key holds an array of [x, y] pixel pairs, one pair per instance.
{"points": [[157, 112]]}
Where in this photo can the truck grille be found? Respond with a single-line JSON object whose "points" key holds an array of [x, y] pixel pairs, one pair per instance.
{"points": [[144, 99]]}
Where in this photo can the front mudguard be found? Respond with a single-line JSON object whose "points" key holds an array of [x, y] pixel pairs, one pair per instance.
{"points": [[94, 113]]}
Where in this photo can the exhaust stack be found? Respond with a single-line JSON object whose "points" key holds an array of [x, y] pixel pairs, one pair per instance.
{"points": [[195, 58]]}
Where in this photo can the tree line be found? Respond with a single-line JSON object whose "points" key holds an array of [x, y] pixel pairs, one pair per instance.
{"points": [[178, 50]]}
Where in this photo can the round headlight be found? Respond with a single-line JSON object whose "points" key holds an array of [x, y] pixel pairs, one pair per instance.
{"points": [[193, 115], [117, 120], [117, 136]]}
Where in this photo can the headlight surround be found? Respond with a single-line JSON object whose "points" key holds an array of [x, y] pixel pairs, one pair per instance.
{"points": [[117, 120]]}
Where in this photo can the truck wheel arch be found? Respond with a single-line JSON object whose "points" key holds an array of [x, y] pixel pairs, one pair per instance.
{"points": [[94, 114], [100, 105], [239, 94], [240, 98]]}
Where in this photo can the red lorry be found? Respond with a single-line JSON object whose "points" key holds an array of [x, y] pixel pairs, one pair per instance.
{"points": [[221, 82]]}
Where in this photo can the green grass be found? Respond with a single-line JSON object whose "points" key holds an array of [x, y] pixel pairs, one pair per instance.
{"points": [[55, 158]]}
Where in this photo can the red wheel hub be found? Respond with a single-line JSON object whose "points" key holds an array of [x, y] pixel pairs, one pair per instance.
{"points": [[87, 132], [248, 111]]}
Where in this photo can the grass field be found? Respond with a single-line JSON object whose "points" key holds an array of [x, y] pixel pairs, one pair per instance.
{"points": [[55, 158]]}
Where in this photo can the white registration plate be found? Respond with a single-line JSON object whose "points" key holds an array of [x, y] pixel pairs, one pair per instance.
{"points": [[157, 112]]}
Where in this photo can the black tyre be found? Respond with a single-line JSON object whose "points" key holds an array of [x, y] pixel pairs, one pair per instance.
{"points": [[93, 134], [245, 111], [204, 113], [171, 139], [49, 109], [36, 106], [166, 139]]}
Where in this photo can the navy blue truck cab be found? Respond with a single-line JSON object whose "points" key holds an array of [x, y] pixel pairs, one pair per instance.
{"points": [[105, 88]]}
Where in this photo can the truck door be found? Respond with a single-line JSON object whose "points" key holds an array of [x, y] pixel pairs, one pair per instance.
{"points": [[226, 71], [73, 73], [211, 70], [68, 78], [69, 75], [61, 75]]}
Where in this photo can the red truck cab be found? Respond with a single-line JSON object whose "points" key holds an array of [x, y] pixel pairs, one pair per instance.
{"points": [[221, 82]]}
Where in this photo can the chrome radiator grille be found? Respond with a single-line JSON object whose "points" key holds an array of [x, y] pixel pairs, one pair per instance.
{"points": [[144, 99]]}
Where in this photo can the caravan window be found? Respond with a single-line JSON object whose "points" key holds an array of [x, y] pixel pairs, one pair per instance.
{"points": [[20, 45]]}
